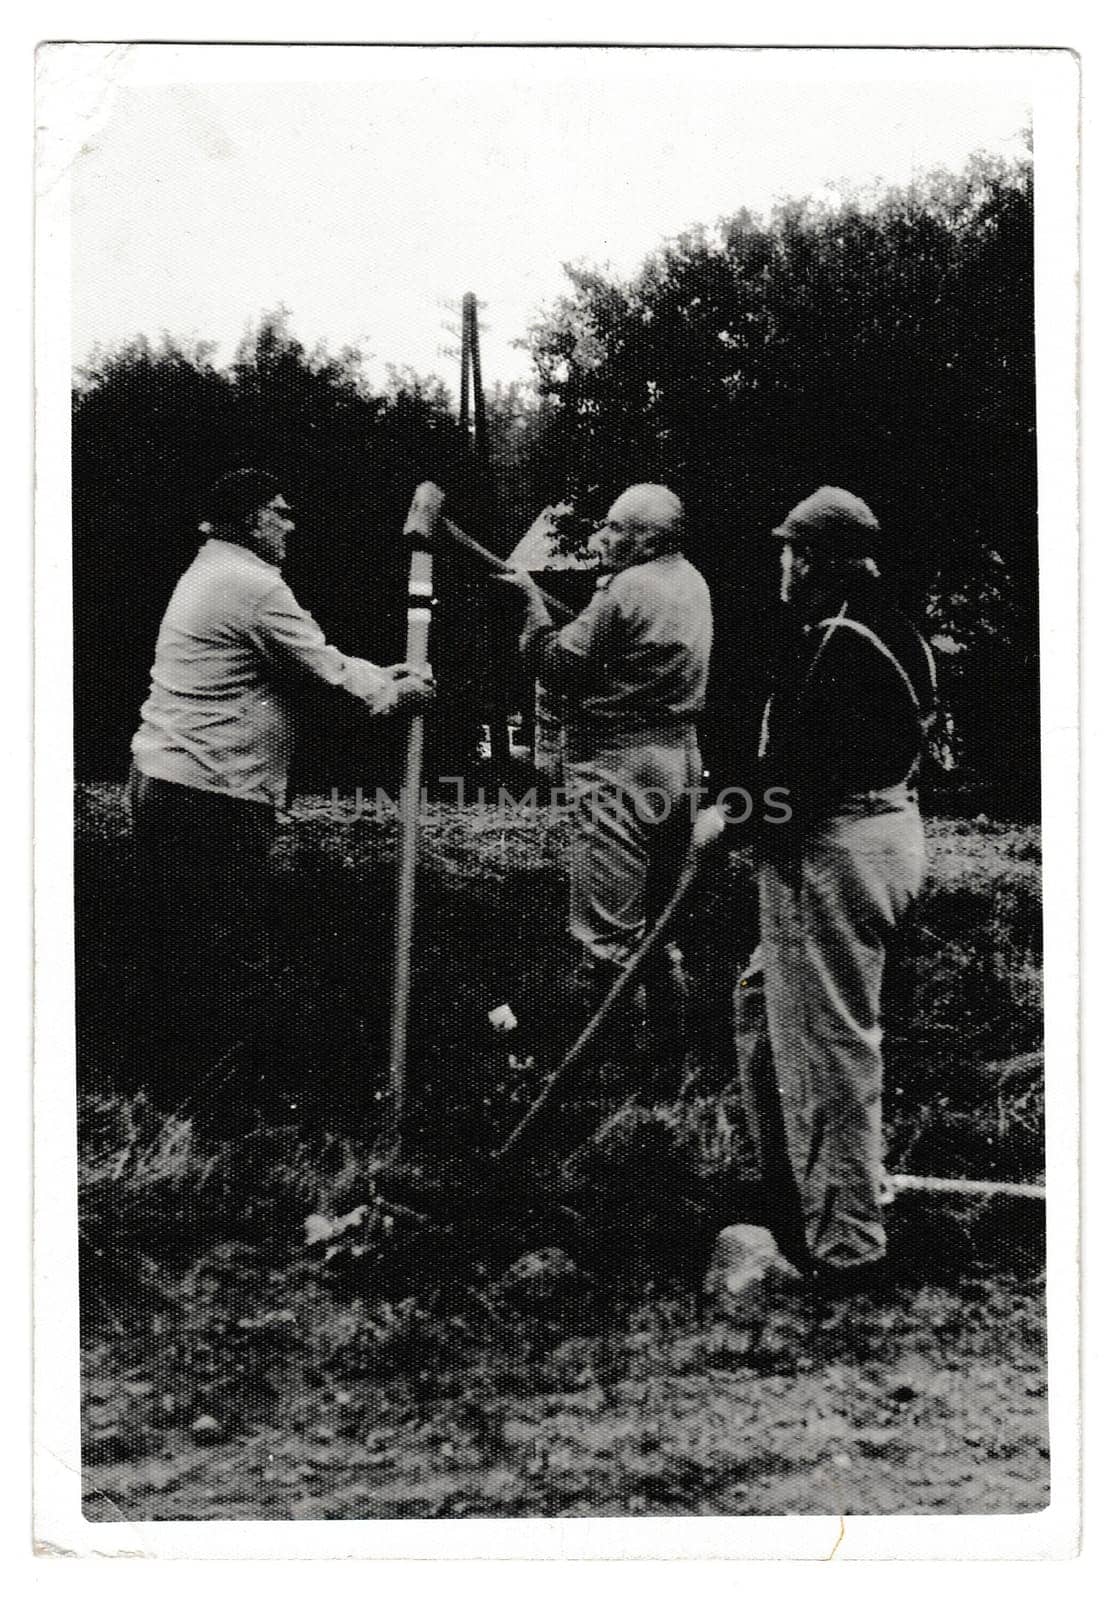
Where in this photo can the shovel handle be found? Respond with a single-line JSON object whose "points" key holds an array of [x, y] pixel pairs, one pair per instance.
{"points": [[620, 988]]}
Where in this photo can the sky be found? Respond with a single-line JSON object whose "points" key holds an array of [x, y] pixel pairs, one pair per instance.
{"points": [[367, 198]]}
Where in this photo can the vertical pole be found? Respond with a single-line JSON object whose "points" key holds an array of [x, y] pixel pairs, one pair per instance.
{"points": [[478, 391], [419, 531], [466, 363], [495, 694]]}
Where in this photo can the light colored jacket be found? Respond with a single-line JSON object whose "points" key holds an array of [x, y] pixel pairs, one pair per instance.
{"points": [[637, 657], [233, 643]]}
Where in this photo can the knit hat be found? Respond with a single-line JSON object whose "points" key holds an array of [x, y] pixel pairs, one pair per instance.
{"points": [[833, 517]]}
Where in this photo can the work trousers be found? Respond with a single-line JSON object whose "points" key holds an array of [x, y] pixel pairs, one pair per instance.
{"points": [[826, 916], [207, 974], [631, 827]]}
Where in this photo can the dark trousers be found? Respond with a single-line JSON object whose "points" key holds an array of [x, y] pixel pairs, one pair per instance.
{"points": [[208, 1004]]}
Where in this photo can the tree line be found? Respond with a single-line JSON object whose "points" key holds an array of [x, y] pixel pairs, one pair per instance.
{"points": [[883, 343]]}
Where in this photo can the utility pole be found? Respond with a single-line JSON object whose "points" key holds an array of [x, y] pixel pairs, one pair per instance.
{"points": [[468, 327], [473, 416], [475, 440], [470, 350]]}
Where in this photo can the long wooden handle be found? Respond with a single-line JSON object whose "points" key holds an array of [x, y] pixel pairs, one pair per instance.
{"points": [[419, 529], [467, 542], [620, 988]]}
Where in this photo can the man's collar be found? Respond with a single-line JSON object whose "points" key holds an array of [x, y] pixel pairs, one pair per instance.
{"points": [[242, 550], [643, 561]]}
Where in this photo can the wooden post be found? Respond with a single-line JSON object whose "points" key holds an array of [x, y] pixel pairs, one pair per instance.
{"points": [[419, 529]]}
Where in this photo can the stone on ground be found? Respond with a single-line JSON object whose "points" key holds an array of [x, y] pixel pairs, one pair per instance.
{"points": [[747, 1272]]}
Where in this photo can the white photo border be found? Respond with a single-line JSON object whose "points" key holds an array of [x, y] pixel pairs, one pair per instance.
{"points": [[58, 1519]]}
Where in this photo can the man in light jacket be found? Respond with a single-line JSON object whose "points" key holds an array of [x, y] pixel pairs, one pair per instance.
{"points": [[211, 761], [633, 671]]}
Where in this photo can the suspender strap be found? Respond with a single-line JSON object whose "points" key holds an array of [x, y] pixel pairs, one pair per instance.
{"points": [[930, 663], [830, 626], [873, 638]]}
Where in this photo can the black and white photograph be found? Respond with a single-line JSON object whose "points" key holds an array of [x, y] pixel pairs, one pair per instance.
{"points": [[562, 1015]]}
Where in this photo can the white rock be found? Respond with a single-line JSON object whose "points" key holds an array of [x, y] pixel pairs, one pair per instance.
{"points": [[503, 1019], [745, 1268]]}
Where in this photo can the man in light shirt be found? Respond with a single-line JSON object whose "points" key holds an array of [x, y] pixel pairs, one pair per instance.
{"points": [[211, 760], [633, 669]]}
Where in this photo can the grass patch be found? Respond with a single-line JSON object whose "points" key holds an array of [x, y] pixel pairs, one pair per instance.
{"points": [[963, 1017]]}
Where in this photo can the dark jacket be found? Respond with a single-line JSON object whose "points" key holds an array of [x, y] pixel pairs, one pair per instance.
{"points": [[854, 693]]}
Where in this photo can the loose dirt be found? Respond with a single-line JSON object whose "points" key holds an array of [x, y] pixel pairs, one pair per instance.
{"points": [[933, 1403]]}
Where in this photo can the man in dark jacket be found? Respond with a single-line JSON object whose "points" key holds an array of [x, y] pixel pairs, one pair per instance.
{"points": [[843, 734]]}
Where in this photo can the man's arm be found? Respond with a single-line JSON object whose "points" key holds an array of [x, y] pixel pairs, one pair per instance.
{"points": [[290, 639], [567, 659]]}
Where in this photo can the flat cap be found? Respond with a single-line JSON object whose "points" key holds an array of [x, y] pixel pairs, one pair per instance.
{"points": [[833, 516]]}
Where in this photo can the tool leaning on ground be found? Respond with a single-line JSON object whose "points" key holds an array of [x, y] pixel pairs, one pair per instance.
{"points": [[708, 827]]}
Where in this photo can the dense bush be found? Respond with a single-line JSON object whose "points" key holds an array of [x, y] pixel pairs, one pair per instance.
{"points": [[882, 343]]}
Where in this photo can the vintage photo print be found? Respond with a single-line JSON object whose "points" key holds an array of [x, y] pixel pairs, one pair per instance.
{"points": [[556, 814]]}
